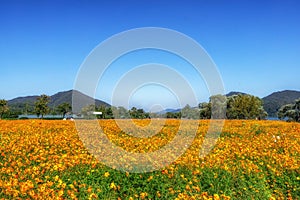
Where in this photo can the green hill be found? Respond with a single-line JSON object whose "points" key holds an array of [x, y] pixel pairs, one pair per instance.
{"points": [[275, 100], [26, 104]]}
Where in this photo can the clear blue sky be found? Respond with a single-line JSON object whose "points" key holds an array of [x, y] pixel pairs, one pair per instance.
{"points": [[255, 44]]}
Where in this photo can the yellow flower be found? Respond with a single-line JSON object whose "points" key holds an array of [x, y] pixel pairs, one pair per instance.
{"points": [[150, 178], [106, 174], [93, 196], [143, 195], [216, 197], [60, 193], [56, 178], [158, 194], [113, 186]]}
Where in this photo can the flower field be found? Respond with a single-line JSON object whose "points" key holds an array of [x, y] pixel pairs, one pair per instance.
{"points": [[42, 159]]}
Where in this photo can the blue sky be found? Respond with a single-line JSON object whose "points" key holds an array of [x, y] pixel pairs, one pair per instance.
{"points": [[254, 44]]}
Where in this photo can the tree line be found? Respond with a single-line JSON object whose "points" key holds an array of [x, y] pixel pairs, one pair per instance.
{"points": [[40, 108], [241, 106]]}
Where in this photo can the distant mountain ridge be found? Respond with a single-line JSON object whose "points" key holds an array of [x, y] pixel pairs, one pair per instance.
{"points": [[271, 103], [235, 93], [171, 110], [275, 100], [55, 100]]}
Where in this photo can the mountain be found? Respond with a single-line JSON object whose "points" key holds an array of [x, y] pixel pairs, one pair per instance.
{"points": [[275, 100], [271, 102], [171, 110], [22, 103], [235, 93]]}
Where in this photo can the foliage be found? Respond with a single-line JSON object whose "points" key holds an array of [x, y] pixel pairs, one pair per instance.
{"points": [[107, 112], [11, 115], [88, 110], [3, 107], [291, 111], [43, 159], [41, 105], [64, 108], [136, 113], [175, 115], [189, 113], [239, 106], [205, 110], [218, 106], [120, 112], [245, 107]]}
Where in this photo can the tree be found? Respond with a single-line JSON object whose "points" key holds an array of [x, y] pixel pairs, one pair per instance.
{"points": [[176, 115], [133, 113], [123, 112], [26, 108], [245, 107], [3, 108], [218, 106], [64, 108], [215, 108], [204, 110], [88, 110], [291, 111], [41, 105], [189, 113], [109, 113], [120, 112], [138, 113], [101, 108]]}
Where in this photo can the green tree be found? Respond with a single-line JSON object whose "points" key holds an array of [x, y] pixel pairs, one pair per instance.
{"points": [[115, 112], [41, 105], [101, 108], [176, 115], [189, 113], [123, 112], [120, 112], [133, 113], [26, 108], [109, 113], [204, 110], [245, 107], [218, 106], [88, 110], [3, 107], [138, 113], [64, 108], [291, 111]]}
